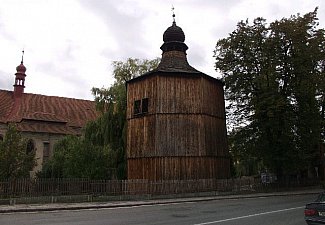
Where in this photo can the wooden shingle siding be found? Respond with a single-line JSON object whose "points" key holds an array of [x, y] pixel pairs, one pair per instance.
{"points": [[178, 168], [178, 95], [141, 90], [176, 135], [144, 144], [183, 135]]}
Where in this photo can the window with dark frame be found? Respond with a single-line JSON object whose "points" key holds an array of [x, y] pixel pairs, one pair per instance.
{"points": [[1, 137], [137, 107], [141, 106], [145, 102]]}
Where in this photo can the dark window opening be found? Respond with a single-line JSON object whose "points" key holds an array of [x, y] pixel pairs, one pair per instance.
{"points": [[141, 106], [145, 102], [30, 146], [137, 107], [1, 137], [46, 151]]}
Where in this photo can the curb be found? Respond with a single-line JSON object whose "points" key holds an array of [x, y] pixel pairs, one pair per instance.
{"points": [[79, 206]]}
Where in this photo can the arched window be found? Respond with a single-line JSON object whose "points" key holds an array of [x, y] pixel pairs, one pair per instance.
{"points": [[30, 146]]}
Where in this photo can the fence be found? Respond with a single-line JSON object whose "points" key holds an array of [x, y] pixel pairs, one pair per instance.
{"points": [[68, 187]]}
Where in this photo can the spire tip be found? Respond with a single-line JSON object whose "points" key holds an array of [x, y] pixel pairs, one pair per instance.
{"points": [[22, 56], [173, 10]]}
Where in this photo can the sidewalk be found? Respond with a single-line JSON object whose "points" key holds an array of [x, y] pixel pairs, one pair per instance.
{"points": [[116, 204]]}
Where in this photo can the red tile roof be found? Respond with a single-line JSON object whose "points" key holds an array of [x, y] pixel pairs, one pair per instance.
{"points": [[40, 113], [6, 103]]}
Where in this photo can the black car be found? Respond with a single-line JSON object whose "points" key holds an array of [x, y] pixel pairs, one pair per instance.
{"points": [[315, 211]]}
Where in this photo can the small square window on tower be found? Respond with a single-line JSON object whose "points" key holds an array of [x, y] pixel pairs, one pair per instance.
{"points": [[137, 107], [145, 103]]}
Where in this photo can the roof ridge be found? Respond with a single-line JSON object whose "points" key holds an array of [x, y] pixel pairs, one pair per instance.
{"points": [[61, 97]]}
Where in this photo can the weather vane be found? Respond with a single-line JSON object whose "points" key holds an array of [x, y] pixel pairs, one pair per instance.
{"points": [[173, 10], [22, 56]]}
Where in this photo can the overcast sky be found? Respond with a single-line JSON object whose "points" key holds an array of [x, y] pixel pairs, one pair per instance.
{"points": [[70, 44]]}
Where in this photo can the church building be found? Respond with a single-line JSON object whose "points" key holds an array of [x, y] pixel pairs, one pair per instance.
{"points": [[176, 125], [43, 120]]}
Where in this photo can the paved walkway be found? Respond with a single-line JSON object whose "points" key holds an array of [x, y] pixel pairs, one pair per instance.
{"points": [[115, 204]]}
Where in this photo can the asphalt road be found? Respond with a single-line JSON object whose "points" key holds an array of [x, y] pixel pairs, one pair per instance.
{"points": [[280, 210]]}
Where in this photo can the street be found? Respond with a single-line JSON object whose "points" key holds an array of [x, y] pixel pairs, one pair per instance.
{"points": [[280, 210]]}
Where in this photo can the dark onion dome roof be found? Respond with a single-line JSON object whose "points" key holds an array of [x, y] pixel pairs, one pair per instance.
{"points": [[174, 38], [174, 60], [21, 68], [174, 33], [174, 52]]}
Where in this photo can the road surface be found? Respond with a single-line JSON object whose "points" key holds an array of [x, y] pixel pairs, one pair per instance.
{"points": [[280, 210]]}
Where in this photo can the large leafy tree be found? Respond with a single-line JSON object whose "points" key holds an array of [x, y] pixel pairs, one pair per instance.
{"points": [[15, 160], [274, 76], [111, 126], [100, 152], [77, 157]]}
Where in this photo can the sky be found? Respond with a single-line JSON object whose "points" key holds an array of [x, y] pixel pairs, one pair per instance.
{"points": [[70, 44]]}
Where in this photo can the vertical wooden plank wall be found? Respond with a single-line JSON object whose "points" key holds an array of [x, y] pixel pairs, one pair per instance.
{"points": [[183, 136]]}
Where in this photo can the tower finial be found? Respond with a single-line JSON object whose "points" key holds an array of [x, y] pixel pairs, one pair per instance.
{"points": [[22, 56], [173, 10]]}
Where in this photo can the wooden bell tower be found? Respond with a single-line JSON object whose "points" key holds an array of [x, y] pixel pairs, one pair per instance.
{"points": [[176, 126]]}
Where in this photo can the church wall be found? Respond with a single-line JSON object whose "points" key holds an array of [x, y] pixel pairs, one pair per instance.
{"points": [[39, 139]]}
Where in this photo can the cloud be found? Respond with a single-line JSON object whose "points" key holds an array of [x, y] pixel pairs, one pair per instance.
{"points": [[3, 31], [124, 22], [6, 81], [70, 45]]}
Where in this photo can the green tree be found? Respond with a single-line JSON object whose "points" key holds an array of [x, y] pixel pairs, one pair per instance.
{"points": [[77, 157], [111, 102], [301, 63], [272, 76], [122, 72], [15, 160], [101, 149]]}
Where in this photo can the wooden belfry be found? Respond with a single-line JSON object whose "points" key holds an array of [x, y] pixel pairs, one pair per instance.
{"points": [[176, 126]]}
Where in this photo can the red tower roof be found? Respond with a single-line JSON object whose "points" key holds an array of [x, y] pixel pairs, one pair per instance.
{"points": [[21, 68]]}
